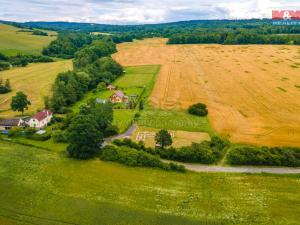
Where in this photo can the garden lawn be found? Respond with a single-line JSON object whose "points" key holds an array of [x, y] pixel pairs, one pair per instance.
{"points": [[174, 120], [43, 187]]}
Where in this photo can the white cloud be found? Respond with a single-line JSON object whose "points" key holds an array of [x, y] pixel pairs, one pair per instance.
{"points": [[139, 11]]}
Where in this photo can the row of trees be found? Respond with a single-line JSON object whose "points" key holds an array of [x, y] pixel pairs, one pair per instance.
{"points": [[206, 152], [233, 38], [264, 156], [21, 60]]}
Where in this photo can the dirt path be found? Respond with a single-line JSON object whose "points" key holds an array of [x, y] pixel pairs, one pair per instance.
{"points": [[248, 169]]}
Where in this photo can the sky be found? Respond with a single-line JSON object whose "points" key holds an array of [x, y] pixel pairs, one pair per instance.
{"points": [[139, 11]]}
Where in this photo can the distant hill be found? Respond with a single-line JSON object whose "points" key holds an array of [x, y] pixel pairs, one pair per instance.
{"points": [[94, 27], [15, 40]]}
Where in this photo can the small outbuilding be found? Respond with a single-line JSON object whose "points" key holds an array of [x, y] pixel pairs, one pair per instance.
{"points": [[7, 124]]}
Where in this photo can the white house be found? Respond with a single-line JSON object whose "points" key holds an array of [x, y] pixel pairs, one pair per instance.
{"points": [[41, 119]]}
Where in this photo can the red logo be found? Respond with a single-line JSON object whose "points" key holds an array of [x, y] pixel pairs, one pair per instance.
{"points": [[286, 14]]}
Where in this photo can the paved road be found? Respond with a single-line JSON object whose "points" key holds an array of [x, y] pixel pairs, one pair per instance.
{"points": [[243, 169], [127, 133]]}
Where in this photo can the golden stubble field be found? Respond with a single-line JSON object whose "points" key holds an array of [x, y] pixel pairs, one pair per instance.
{"points": [[252, 91], [35, 80]]}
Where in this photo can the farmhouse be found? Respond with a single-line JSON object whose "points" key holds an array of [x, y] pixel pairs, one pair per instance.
{"points": [[7, 124], [118, 97], [41, 119], [111, 88]]}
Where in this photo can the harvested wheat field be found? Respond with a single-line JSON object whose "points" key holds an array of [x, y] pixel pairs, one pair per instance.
{"points": [[252, 91], [35, 80]]}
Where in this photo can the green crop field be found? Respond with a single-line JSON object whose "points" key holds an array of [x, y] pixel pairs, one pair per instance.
{"points": [[13, 42], [44, 187], [35, 80]]}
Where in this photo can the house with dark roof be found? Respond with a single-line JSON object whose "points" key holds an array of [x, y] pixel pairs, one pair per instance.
{"points": [[118, 97], [7, 124], [40, 119]]}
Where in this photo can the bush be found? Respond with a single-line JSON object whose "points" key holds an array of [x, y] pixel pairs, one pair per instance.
{"points": [[132, 157], [129, 143], [265, 156], [59, 136], [4, 65], [14, 132], [207, 152], [199, 109], [111, 130], [29, 131], [40, 137]]}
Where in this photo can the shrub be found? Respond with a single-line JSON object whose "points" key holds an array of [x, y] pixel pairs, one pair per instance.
{"points": [[40, 137], [206, 152], [135, 158], [14, 132], [4, 65], [264, 156], [29, 131], [59, 136], [129, 143], [111, 130], [199, 109]]}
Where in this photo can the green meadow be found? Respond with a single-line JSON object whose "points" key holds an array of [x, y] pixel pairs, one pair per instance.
{"points": [[13, 42], [45, 187]]}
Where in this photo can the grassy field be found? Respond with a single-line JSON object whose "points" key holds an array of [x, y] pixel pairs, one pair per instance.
{"points": [[251, 90], [174, 120], [13, 42], [43, 187], [35, 80]]}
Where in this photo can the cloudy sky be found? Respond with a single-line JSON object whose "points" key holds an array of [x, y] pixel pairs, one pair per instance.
{"points": [[138, 11]]}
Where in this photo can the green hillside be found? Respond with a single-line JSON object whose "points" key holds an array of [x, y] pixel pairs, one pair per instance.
{"points": [[13, 42], [43, 187]]}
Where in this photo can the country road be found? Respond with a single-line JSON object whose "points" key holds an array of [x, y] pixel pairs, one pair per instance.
{"points": [[223, 169], [127, 133]]}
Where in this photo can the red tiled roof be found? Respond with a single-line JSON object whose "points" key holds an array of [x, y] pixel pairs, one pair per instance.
{"points": [[120, 94], [42, 115]]}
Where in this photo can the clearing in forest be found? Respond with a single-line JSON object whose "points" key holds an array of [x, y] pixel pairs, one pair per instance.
{"points": [[251, 90]]}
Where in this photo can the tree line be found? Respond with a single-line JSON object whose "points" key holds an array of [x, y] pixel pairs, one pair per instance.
{"points": [[21, 60], [238, 37]]}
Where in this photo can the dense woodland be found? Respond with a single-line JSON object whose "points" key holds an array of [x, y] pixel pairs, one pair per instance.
{"points": [[251, 31], [92, 65]]}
